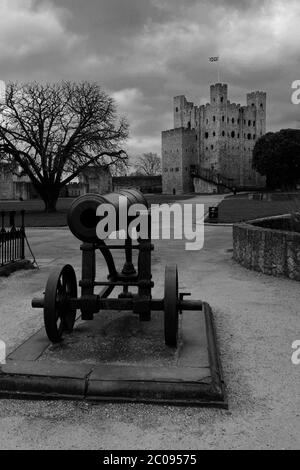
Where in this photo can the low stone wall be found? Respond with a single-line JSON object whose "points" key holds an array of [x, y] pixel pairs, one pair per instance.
{"points": [[268, 250]]}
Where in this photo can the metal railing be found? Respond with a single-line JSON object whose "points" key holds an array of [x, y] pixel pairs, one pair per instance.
{"points": [[213, 177], [12, 238]]}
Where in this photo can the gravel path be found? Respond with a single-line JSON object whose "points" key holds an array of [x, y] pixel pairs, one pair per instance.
{"points": [[257, 319]]}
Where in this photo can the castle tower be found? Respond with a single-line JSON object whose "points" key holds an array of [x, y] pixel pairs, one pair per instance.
{"points": [[218, 137], [219, 94]]}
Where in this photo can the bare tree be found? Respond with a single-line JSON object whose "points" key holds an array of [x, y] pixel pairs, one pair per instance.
{"points": [[54, 131], [149, 164]]}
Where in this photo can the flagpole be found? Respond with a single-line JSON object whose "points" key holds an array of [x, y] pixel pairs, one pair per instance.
{"points": [[216, 59]]}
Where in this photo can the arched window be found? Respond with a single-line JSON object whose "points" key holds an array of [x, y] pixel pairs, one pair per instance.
{"points": [[222, 99], [223, 118], [249, 136], [212, 147], [206, 135], [214, 134], [233, 134], [232, 120], [214, 118], [223, 133], [176, 110], [249, 123]]}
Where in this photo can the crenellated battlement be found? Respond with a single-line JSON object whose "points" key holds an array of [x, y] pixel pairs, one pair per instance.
{"points": [[222, 134]]}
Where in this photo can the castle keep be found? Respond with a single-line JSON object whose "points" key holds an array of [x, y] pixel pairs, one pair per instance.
{"points": [[213, 142]]}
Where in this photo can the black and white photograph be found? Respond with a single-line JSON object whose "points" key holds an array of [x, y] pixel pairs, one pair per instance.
{"points": [[149, 228]]}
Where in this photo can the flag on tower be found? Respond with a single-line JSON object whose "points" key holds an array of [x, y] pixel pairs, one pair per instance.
{"points": [[214, 59], [2, 92]]}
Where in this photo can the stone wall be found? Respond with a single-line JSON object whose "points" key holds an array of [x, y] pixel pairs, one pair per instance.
{"points": [[223, 135], [204, 187], [268, 250], [146, 184]]}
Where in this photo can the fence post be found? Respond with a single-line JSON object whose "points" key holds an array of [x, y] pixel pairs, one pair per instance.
{"points": [[12, 238], [22, 232], [2, 238]]}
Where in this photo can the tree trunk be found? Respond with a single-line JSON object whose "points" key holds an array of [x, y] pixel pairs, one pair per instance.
{"points": [[50, 200]]}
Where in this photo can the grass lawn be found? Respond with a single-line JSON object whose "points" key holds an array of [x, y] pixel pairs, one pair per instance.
{"points": [[36, 217], [240, 208]]}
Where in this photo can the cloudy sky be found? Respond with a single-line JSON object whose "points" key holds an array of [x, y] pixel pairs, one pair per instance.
{"points": [[144, 52]]}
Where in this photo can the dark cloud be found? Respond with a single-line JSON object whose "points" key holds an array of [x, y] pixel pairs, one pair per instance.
{"points": [[144, 52]]}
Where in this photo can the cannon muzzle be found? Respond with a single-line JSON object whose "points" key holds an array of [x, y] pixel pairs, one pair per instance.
{"points": [[82, 217]]}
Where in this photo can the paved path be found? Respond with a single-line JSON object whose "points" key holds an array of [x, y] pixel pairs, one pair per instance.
{"points": [[257, 319]]}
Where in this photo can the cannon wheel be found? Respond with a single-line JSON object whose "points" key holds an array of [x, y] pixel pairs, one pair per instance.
{"points": [[58, 316], [171, 306]]}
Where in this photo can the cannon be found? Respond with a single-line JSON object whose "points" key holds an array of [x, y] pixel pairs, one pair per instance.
{"points": [[61, 302]]}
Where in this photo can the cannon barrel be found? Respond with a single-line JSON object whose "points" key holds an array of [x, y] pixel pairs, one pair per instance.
{"points": [[82, 218]]}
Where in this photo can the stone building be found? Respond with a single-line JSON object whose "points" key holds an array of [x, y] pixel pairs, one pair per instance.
{"points": [[213, 143], [91, 180], [144, 183], [95, 180], [14, 187]]}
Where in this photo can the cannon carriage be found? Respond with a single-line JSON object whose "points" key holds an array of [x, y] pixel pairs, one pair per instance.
{"points": [[61, 301]]}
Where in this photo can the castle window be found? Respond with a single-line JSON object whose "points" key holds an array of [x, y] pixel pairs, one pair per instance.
{"points": [[238, 136], [214, 134], [206, 121], [261, 105], [214, 118], [206, 148], [254, 123], [249, 123], [176, 110], [189, 125], [212, 147], [223, 118], [233, 134], [254, 136], [238, 121], [249, 136], [222, 99], [177, 169], [196, 137], [206, 135], [223, 133], [232, 120], [171, 169]]}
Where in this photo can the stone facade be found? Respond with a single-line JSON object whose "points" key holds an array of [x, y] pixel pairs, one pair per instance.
{"points": [[95, 180], [146, 184], [13, 187], [218, 136], [92, 180], [268, 246]]}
